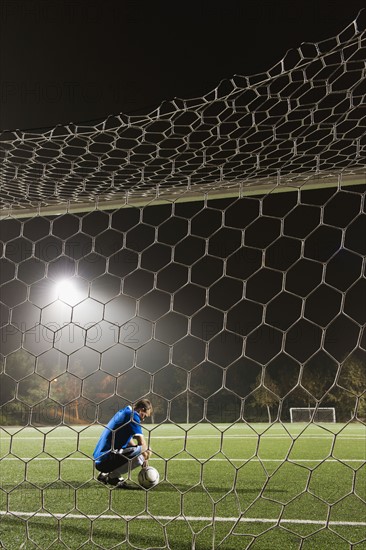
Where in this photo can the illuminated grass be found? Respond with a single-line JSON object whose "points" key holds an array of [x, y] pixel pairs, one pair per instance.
{"points": [[224, 487]]}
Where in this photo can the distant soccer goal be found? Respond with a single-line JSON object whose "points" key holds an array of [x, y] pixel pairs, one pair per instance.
{"points": [[312, 414]]}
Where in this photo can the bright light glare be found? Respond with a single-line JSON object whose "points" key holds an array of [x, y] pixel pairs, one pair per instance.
{"points": [[67, 291]]}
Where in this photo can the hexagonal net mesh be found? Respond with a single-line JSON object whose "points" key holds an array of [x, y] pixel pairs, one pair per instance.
{"points": [[239, 315], [301, 122]]}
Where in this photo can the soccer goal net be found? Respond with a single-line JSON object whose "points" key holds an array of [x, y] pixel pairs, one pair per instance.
{"points": [[312, 414], [209, 257]]}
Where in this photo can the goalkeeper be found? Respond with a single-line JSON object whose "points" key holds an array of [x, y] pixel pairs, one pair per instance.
{"points": [[122, 444]]}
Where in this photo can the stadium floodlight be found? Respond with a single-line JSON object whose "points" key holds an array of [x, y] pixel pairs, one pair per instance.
{"points": [[67, 291], [312, 414]]}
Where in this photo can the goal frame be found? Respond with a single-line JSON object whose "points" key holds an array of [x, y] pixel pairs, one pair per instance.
{"points": [[313, 411]]}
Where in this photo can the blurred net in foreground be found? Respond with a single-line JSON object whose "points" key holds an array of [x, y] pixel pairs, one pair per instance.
{"points": [[178, 270]]}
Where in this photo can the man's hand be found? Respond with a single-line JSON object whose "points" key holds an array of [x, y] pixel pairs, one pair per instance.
{"points": [[146, 454]]}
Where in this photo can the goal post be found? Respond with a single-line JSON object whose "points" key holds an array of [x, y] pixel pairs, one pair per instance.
{"points": [[312, 414]]}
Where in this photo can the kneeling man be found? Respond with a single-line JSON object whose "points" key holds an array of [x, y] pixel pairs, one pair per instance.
{"points": [[122, 444]]}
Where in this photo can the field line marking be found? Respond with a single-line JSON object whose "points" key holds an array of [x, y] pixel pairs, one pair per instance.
{"points": [[178, 437], [184, 518], [255, 459]]}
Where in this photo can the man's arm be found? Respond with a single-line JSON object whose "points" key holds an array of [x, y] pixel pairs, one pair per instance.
{"points": [[146, 453]]}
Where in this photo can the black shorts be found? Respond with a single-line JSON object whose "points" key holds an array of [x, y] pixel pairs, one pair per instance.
{"points": [[115, 459]]}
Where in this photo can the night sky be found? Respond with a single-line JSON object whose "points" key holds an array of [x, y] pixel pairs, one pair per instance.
{"points": [[64, 61], [204, 294]]}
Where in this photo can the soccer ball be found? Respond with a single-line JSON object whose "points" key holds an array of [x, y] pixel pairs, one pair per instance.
{"points": [[148, 477]]}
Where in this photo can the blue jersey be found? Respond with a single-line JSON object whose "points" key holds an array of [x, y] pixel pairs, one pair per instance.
{"points": [[124, 425]]}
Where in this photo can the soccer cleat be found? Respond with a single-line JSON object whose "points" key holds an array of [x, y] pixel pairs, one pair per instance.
{"points": [[116, 481], [122, 484], [103, 478]]}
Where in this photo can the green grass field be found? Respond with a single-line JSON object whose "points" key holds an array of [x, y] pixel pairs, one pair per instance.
{"points": [[229, 487]]}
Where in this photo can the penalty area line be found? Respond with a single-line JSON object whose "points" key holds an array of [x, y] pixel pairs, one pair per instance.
{"points": [[220, 519]]}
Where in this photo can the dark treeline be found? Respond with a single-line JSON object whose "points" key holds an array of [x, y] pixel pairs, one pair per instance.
{"points": [[243, 391]]}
